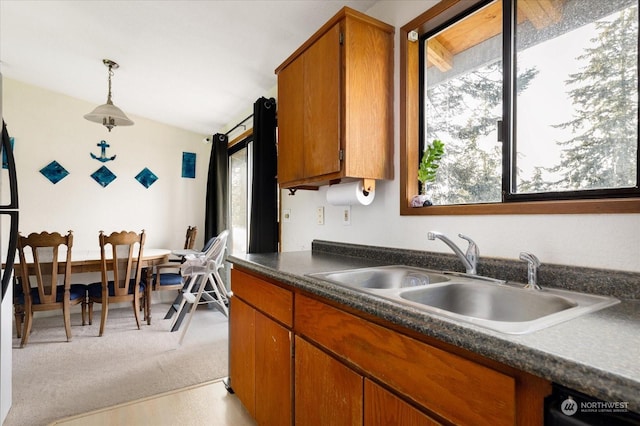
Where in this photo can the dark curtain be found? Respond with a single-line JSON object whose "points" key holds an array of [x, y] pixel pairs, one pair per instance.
{"points": [[216, 219], [263, 228]]}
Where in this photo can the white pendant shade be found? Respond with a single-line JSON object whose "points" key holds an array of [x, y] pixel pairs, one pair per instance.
{"points": [[108, 114]]}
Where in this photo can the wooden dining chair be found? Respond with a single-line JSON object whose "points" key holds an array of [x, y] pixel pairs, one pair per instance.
{"points": [[190, 238], [46, 281], [168, 276], [120, 256]]}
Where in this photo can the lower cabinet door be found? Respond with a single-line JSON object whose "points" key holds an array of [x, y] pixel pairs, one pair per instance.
{"points": [[273, 372], [327, 392], [382, 408], [242, 352]]}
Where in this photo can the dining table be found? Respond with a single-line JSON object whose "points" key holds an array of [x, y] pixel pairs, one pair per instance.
{"points": [[89, 260]]}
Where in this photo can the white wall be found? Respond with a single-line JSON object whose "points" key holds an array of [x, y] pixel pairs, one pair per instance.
{"points": [[601, 241], [49, 126]]}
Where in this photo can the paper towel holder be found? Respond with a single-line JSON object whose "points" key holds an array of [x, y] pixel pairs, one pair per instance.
{"points": [[352, 191], [368, 185]]}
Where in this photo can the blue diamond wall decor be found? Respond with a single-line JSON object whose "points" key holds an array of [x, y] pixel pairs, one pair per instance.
{"points": [[189, 165], [146, 177], [103, 176], [54, 172]]}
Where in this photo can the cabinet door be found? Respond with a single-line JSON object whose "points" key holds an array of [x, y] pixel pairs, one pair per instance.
{"points": [[382, 408], [273, 372], [368, 91], [457, 389], [290, 122], [242, 352], [322, 97], [327, 392]]}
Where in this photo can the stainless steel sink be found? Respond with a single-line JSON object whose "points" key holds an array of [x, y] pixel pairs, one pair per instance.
{"points": [[490, 302], [493, 304], [508, 308], [383, 277]]}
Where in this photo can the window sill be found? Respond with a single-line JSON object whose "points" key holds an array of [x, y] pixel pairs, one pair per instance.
{"points": [[600, 206]]}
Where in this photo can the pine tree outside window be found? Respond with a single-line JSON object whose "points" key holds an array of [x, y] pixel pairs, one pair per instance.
{"points": [[539, 105], [582, 134]]}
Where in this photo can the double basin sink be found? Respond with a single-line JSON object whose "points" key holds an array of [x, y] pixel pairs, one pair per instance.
{"points": [[486, 302]]}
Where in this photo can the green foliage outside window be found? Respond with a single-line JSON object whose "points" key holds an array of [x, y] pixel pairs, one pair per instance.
{"points": [[430, 163]]}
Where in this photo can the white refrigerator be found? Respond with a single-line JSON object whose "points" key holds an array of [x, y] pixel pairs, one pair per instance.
{"points": [[8, 240]]}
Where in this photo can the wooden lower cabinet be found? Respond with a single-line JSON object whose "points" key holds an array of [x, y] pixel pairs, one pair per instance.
{"points": [[260, 349], [451, 388], [242, 353], [273, 372], [327, 392], [344, 369], [383, 408]]}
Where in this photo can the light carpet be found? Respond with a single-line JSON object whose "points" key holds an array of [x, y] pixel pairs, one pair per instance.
{"points": [[53, 378]]}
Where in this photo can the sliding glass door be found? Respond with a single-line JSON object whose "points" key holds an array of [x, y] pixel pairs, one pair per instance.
{"points": [[240, 158]]}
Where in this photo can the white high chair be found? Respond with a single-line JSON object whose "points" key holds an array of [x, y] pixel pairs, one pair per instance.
{"points": [[200, 271]]}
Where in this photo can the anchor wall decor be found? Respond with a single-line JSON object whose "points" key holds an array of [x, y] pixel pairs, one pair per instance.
{"points": [[103, 153]]}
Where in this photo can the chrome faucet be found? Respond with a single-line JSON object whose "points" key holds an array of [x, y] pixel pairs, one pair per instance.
{"points": [[470, 259], [532, 270]]}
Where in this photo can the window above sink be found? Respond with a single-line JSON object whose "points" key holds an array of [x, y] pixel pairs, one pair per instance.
{"points": [[480, 93]]}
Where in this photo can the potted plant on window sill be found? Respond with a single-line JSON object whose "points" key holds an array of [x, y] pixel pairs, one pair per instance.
{"points": [[427, 171]]}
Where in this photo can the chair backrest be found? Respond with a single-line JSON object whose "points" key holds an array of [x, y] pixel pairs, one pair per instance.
{"points": [[208, 244], [120, 255], [221, 248], [213, 253], [190, 238], [216, 247], [41, 267]]}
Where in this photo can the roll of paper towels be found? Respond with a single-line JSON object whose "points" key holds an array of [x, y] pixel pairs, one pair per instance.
{"points": [[347, 194]]}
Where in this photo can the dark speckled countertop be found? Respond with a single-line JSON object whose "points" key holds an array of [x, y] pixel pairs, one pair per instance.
{"points": [[597, 353]]}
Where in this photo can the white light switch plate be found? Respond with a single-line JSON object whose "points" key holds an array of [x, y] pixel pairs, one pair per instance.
{"points": [[320, 215], [346, 215]]}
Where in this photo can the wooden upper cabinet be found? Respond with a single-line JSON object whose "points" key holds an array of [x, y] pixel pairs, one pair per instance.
{"points": [[335, 97], [290, 122], [322, 107]]}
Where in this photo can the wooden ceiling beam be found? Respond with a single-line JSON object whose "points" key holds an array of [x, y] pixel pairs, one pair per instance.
{"points": [[439, 55], [541, 13]]}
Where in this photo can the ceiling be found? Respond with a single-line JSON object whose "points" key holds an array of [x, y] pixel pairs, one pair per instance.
{"points": [[193, 64]]}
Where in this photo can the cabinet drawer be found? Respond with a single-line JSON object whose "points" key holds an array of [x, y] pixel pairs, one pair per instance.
{"points": [[455, 388], [272, 300]]}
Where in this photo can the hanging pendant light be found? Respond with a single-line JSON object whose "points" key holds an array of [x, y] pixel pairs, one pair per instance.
{"points": [[108, 114]]}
